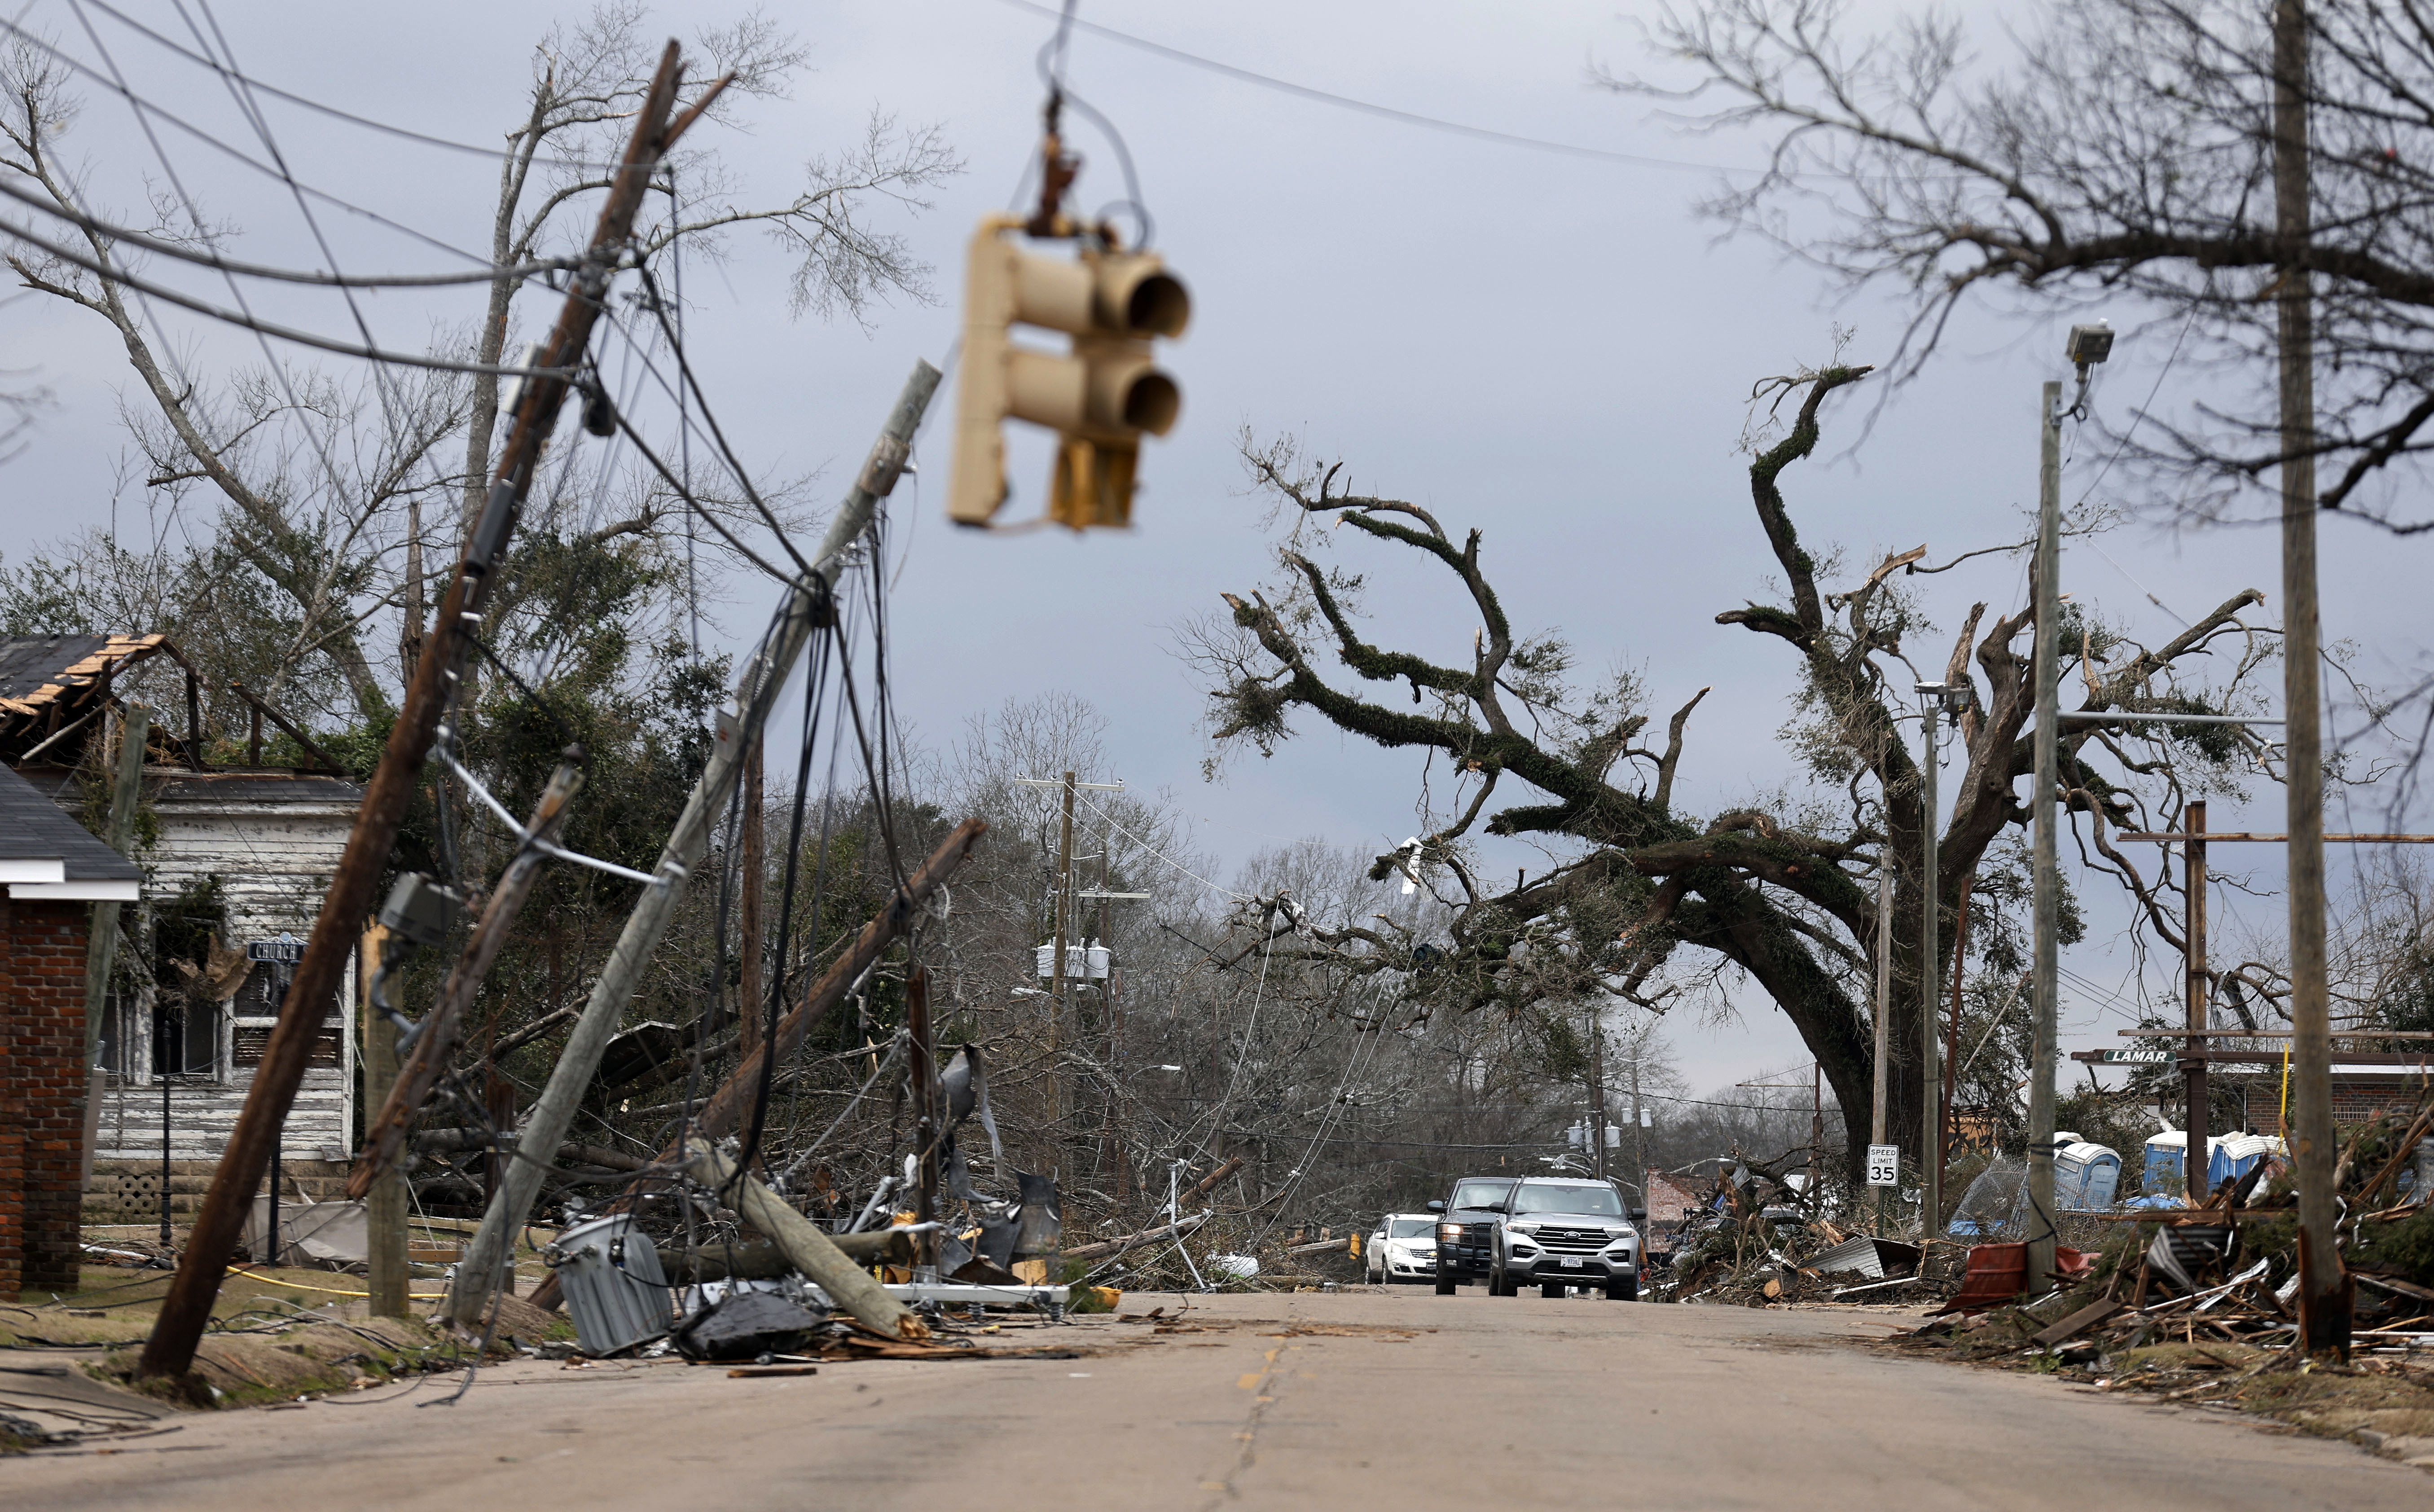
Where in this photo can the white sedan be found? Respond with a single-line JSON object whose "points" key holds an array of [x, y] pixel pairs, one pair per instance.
{"points": [[1403, 1248]]}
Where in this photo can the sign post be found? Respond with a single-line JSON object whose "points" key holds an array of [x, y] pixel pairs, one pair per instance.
{"points": [[281, 955]]}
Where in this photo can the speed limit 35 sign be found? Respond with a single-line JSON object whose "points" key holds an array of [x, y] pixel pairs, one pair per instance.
{"points": [[1884, 1165]]}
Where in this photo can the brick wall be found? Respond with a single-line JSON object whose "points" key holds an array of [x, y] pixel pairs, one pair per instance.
{"points": [[41, 1092]]}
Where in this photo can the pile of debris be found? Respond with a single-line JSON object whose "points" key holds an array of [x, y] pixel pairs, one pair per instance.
{"points": [[2199, 1304], [1753, 1242]]}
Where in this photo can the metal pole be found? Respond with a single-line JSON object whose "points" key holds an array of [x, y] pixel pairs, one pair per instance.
{"points": [[186, 1309], [2044, 782], [1107, 985], [1930, 1102], [160, 1070], [1597, 1090], [385, 1231], [2324, 1290], [752, 1011], [1879, 1113], [1952, 1023], [2195, 1154], [1638, 1126], [1057, 988], [1816, 1128], [756, 691], [924, 1074]]}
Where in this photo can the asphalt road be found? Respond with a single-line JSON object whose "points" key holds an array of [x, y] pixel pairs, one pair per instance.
{"points": [[1337, 1400]]}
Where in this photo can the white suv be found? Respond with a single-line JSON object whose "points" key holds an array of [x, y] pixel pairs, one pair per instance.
{"points": [[1555, 1234], [1404, 1249]]}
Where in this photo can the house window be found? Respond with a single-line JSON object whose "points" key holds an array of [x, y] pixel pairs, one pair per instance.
{"points": [[186, 1041], [185, 1031], [265, 990]]}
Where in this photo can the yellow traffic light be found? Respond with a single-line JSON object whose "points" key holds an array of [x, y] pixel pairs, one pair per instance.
{"points": [[1099, 396]]}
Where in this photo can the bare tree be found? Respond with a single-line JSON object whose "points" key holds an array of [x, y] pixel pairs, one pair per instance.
{"points": [[2123, 153], [589, 79], [1779, 894], [320, 486]]}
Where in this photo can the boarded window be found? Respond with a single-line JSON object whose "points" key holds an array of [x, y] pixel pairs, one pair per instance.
{"points": [[250, 1042]]}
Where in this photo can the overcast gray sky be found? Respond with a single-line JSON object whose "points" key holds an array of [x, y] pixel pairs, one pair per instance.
{"points": [[1551, 348]]}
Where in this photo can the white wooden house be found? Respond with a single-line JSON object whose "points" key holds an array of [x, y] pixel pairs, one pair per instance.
{"points": [[238, 857], [244, 855]]}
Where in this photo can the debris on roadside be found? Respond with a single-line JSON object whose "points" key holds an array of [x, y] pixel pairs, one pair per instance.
{"points": [[1752, 1243], [2198, 1305]]}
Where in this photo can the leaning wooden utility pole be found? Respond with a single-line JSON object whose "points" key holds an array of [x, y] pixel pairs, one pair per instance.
{"points": [[187, 1306], [2044, 780], [809, 605], [2324, 1290]]}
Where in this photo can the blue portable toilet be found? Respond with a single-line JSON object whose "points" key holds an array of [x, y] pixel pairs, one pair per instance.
{"points": [[2235, 1155], [2087, 1175], [2164, 1172]]}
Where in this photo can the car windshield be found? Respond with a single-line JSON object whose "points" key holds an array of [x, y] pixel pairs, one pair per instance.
{"points": [[1409, 1227], [1478, 1194], [1603, 1202]]}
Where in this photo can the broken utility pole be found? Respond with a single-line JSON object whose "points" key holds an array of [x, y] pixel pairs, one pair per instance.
{"points": [[726, 1107], [806, 1247], [442, 1029], [186, 1309], [809, 606]]}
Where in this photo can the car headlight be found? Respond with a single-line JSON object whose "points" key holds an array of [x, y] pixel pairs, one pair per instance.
{"points": [[1449, 1233], [1523, 1227]]}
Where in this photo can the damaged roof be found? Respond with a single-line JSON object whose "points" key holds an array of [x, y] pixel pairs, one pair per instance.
{"points": [[48, 682]]}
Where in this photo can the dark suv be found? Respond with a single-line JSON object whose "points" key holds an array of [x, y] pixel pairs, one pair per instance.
{"points": [[1465, 1223]]}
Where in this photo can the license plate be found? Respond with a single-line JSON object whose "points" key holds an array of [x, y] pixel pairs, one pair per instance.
{"points": [[1571, 1264]]}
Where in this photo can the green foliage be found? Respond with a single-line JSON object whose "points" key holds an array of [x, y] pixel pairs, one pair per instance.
{"points": [[40, 597], [1565, 1053], [2112, 1120], [2406, 1247]]}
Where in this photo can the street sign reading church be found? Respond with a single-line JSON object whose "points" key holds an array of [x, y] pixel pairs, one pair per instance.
{"points": [[285, 951]]}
